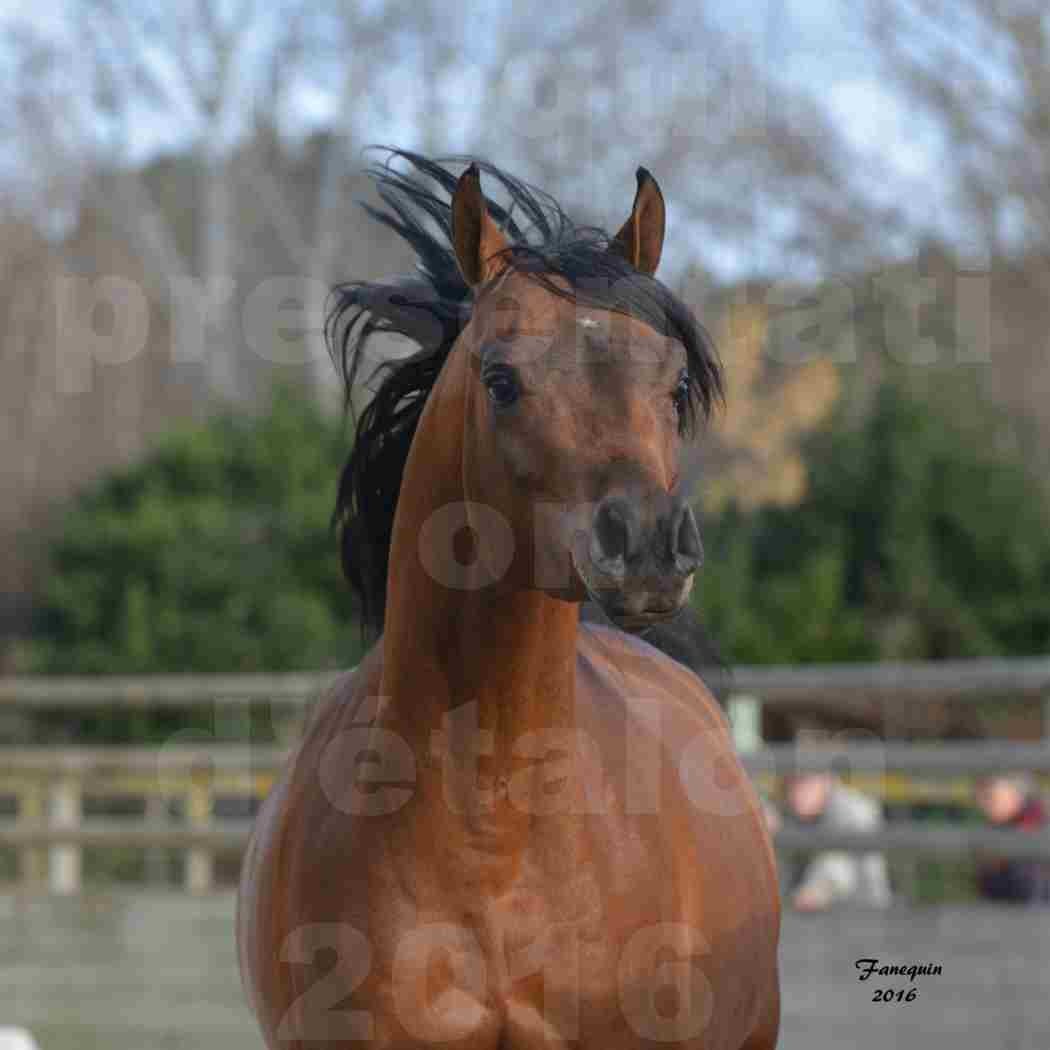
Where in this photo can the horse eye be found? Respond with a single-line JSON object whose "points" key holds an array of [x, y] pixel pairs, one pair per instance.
{"points": [[502, 385], [681, 392]]}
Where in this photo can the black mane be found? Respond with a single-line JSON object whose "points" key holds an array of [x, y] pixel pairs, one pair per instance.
{"points": [[432, 308]]}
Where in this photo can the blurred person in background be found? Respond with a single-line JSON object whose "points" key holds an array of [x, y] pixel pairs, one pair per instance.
{"points": [[821, 800], [1010, 802]]}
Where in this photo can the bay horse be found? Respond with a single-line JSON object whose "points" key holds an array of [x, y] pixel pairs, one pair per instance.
{"points": [[507, 828]]}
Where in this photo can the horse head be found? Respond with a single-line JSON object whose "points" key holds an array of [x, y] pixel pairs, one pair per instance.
{"points": [[585, 378]]}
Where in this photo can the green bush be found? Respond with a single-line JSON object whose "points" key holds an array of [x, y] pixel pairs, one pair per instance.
{"points": [[921, 536], [213, 554]]}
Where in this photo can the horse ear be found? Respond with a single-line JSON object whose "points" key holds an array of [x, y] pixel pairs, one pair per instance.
{"points": [[641, 238], [476, 238]]}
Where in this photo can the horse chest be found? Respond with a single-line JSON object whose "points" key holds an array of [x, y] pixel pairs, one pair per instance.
{"points": [[548, 955], [555, 944]]}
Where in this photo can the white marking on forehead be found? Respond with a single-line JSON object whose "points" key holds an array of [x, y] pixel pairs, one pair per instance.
{"points": [[588, 322]]}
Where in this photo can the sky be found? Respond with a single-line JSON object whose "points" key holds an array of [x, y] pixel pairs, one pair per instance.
{"points": [[817, 47], [811, 45]]}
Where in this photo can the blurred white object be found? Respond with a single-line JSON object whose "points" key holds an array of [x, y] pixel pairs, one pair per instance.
{"points": [[16, 1039]]}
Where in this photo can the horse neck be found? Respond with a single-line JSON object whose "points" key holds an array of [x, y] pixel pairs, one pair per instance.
{"points": [[509, 652]]}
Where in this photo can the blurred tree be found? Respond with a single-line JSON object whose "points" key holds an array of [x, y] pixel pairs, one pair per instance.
{"points": [[973, 77], [578, 100], [753, 449], [213, 554], [107, 86], [918, 537], [976, 72], [206, 155]]}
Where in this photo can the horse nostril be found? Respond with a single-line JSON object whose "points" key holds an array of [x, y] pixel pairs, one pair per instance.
{"points": [[686, 548], [613, 537]]}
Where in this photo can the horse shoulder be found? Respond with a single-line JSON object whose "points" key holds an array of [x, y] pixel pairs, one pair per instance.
{"points": [[624, 666], [266, 907]]}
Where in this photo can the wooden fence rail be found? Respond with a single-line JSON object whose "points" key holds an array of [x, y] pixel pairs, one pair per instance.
{"points": [[234, 835], [897, 682], [50, 785], [236, 762], [50, 830], [164, 690], [929, 760]]}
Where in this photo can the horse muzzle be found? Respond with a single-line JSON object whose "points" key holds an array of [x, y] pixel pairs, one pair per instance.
{"points": [[639, 558]]}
